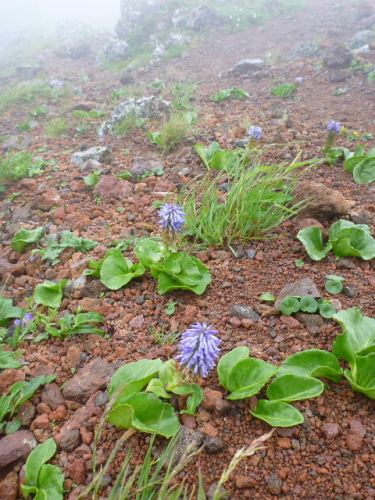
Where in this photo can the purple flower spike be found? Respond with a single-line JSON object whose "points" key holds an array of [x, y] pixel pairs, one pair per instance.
{"points": [[26, 319], [199, 349], [172, 218], [334, 127], [255, 132]]}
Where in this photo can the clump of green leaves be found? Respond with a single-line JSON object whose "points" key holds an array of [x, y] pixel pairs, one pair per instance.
{"points": [[345, 238], [357, 346], [182, 94], [85, 115], [233, 93], [15, 166], [57, 127], [56, 243], [73, 324], [334, 284], [295, 380], [173, 131], [18, 394], [290, 305], [130, 122], [38, 111], [284, 90], [359, 163], [24, 126], [41, 479], [258, 198], [26, 236], [49, 293]]}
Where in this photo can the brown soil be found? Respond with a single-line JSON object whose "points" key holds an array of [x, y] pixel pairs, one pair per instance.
{"points": [[308, 464]]}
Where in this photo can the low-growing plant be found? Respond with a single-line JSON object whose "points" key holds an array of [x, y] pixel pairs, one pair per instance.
{"points": [[91, 180], [244, 377], [359, 163], [38, 111], [49, 293], [126, 125], [56, 243], [334, 284], [173, 131], [345, 238], [73, 324], [258, 198], [24, 126], [43, 480], [14, 166], [290, 305], [233, 93], [157, 84], [284, 90], [8, 359], [18, 394], [57, 127], [26, 237], [85, 115], [117, 94], [181, 95]]}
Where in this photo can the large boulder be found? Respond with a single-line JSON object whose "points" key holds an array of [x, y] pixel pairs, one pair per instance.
{"points": [[361, 38], [202, 17], [337, 57]]}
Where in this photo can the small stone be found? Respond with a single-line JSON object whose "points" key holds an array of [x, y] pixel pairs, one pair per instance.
{"points": [[60, 414], [16, 446], [86, 436], [9, 487], [300, 288], [241, 312], [250, 253], [243, 482], [77, 471], [284, 442], [26, 413], [41, 422], [354, 442], [52, 396], [213, 444], [73, 356], [70, 440], [331, 430], [275, 484], [9, 377], [290, 322], [137, 321], [356, 427]]}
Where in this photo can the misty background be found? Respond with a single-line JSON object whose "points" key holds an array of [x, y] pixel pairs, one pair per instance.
{"points": [[19, 17]]}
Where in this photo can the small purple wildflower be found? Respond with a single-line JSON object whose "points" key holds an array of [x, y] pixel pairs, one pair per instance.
{"points": [[199, 348], [299, 79], [334, 127], [255, 132], [26, 319], [172, 218]]}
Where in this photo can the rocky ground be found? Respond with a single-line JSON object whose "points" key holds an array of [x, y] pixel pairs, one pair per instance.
{"points": [[331, 455]]}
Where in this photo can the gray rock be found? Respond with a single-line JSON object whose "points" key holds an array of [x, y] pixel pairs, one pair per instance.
{"points": [[86, 286], [28, 72], [18, 142], [336, 76], [146, 107], [361, 38], [244, 312], [202, 17], [250, 253], [275, 484], [70, 440], [309, 320], [90, 166], [188, 441], [127, 78], [337, 57], [349, 291], [213, 444], [300, 288], [144, 164], [21, 214], [112, 188], [16, 446], [100, 154], [361, 51], [305, 49], [248, 66], [116, 50], [88, 380]]}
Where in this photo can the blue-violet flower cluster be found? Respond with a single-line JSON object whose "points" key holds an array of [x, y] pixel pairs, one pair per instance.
{"points": [[172, 218], [26, 319], [255, 132], [299, 79], [199, 349], [334, 127]]}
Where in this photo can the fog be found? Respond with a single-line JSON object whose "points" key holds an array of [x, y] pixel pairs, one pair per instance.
{"points": [[39, 16]]}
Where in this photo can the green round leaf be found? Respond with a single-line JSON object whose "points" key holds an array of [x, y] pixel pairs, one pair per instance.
{"points": [[290, 387], [267, 296], [312, 363], [277, 413], [308, 304], [333, 277], [299, 263], [327, 310], [248, 377], [289, 305], [334, 287], [364, 171]]}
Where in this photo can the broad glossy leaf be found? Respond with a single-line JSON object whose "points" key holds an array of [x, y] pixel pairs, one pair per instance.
{"points": [[195, 398], [156, 386], [248, 377], [352, 162], [116, 271], [133, 377], [334, 287], [358, 337], [342, 228], [13, 426], [362, 377], [327, 310], [49, 293], [277, 413], [308, 304], [8, 359], [50, 483], [25, 237], [228, 362], [311, 239], [364, 172], [149, 252], [147, 413], [312, 363], [289, 305], [169, 374], [290, 387], [357, 244], [39, 456]]}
